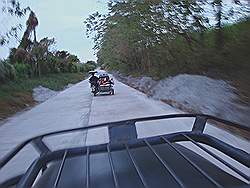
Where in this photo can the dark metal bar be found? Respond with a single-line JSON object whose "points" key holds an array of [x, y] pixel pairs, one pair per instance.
{"points": [[112, 167], [199, 124], [218, 158], [44, 168], [60, 169], [172, 173], [30, 175], [136, 167], [122, 133], [175, 137], [192, 163], [231, 151], [87, 167], [11, 154], [40, 146]]}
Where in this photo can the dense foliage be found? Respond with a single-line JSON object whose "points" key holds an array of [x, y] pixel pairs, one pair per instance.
{"points": [[34, 58], [39, 60], [162, 37]]}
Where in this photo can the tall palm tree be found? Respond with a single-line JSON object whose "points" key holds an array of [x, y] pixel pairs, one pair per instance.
{"points": [[26, 44], [31, 25]]}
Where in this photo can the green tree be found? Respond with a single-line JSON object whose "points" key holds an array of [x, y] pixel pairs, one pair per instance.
{"points": [[73, 59], [40, 53], [138, 35], [130, 31]]}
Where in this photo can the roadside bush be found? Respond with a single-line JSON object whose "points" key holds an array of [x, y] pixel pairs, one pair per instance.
{"points": [[7, 71], [2, 72], [22, 70], [72, 67], [75, 68], [81, 68]]}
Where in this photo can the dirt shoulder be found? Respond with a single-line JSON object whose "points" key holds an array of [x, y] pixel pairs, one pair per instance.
{"points": [[195, 94], [16, 96]]}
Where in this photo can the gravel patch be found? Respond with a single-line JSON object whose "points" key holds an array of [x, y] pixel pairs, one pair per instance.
{"points": [[41, 94], [195, 93]]}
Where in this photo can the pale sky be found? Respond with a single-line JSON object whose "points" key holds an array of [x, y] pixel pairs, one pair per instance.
{"points": [[61, 19]]}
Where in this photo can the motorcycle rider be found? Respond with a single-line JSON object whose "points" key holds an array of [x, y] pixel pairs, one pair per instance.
{"points": [[93, 80]]}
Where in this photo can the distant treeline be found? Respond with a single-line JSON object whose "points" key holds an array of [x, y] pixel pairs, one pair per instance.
{"points": [[19, 66]]}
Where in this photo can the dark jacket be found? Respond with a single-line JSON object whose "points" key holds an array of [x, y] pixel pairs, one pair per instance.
{"points": [[93, 80]]}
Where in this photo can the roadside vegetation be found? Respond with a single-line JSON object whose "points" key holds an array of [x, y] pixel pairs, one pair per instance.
{"points": [[160, 38], [33, 63], [16, 95]]}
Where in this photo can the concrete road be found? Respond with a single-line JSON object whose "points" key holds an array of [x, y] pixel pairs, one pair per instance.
{"points": [[75, 107], [69, 109]]}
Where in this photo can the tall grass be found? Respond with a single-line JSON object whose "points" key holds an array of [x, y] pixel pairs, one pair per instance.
{"points": [[7, 71]]}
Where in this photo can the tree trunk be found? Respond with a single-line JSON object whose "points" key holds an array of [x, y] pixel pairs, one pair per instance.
{"points": [[219, 33], [35, 41]]}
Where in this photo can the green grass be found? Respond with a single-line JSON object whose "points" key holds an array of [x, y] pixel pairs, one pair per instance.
{"points": [[17, 95]]}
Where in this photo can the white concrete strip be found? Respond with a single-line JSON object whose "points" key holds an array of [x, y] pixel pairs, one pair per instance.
{"points": [[69, 109]]}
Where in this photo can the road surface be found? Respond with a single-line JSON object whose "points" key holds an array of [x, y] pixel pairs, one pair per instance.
{"points": [[76, 107]]}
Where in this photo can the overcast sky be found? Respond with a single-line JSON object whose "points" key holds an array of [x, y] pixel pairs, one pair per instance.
{"points": [[63, 20]]}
